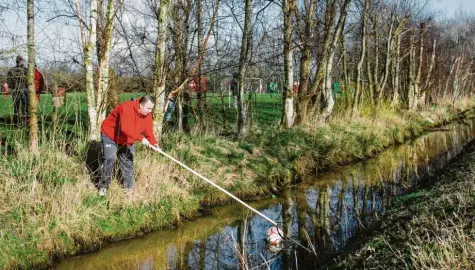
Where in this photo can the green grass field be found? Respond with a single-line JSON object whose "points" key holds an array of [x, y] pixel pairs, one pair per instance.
{"points": [[265, 109]]}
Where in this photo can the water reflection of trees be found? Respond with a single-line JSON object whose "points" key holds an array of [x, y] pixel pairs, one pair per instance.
{"points": [[361, 192], [341, 205], [331, 208]]}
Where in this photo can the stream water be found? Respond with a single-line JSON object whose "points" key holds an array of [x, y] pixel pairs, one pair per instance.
{"points": [[329, 211]]}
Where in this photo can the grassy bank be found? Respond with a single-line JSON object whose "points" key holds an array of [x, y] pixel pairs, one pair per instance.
{"points": [[49, 207], [429, 229]]}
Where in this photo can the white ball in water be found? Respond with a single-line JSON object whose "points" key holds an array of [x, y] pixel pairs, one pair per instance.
{"points": [[274, 236]]}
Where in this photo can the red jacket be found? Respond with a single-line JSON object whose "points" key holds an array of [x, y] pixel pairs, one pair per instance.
{"points": [[39, 83], [126, 125]]}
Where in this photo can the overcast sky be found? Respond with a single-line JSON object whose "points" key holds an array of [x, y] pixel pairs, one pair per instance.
{"points": [[449, 7]]}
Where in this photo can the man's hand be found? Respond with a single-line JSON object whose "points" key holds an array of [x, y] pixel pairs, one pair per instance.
{"points": [[146, 142]]}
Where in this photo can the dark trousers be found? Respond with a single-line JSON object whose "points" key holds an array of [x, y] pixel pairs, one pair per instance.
{"points": [[126, 162], [20, 105]]}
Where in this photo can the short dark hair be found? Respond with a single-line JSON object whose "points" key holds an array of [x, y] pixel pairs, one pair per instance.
{"points": [[19, 59], [146, 98]]}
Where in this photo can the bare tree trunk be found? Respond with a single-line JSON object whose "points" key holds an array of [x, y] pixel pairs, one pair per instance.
{"points": [[397, 63], [369, 71], [305, 60], [308, 105], [94, 129], [427, 85], [412, 74], [345, 73], [160, 75], [329, 101], [376, 76], [33, 105], [96, 95], [105, 41], [200, 95], [246, 39], [464, 80], [362, 56], [382, 84], [287, 97], [179, 34], [452, 68], [456, 81], [113, 96], [55, 111], [185, 98], [179, 111], [417, 84]]}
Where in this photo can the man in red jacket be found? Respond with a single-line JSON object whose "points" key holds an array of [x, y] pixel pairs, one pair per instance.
{"points": [[131, 121]]}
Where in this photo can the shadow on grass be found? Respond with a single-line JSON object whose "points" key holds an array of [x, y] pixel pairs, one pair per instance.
{"points": [[93, 159]]}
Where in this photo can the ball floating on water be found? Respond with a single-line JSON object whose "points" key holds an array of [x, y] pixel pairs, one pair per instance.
{"points": [[274, 236]]}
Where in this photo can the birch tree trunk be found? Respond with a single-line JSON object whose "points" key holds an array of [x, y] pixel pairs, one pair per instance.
{"points": [[329, 101], [246, 38], [397, 61], [447, 82], [417, 84], [89, 47], [33, 105], [160, 75], [345, 73], [104, 48], [369, 71], [456, 81], [308, 103], [427, 84], [383, 81], [288, 99], [96, 94], [465, 80], [411, 97], [362, 56]]}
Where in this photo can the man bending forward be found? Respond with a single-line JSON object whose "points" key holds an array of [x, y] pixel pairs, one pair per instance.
{"points": [[131, 121]]}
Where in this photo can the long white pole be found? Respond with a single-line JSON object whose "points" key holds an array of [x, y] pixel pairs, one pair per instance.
{"points": [[214, 185]]}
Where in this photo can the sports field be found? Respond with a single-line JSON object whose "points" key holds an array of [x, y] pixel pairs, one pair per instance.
{"points": [[264, 109]]}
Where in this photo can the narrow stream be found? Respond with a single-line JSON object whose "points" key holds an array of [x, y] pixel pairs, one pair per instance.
{"points": [[329, 210]]}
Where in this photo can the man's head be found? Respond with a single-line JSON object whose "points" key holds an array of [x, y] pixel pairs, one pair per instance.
{"points": [[20, 62], [146, 104]]}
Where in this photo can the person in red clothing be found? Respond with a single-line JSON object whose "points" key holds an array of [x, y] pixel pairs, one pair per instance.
{"points": [[128, 123], [40, 84], [5, 90]]}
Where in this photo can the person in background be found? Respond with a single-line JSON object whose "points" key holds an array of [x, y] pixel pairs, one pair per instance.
{"points": [[169, 108], [295, 87], [272, 88], [5, 90], [40, 84], [128, 123], [18, 86]]}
